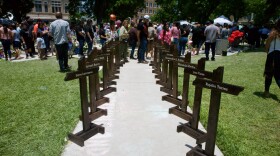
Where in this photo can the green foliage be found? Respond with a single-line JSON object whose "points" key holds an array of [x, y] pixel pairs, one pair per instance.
{"points": [[202, 10], [19, 8], [101, 10]]}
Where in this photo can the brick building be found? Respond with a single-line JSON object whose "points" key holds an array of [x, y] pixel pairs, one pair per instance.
{"points": [[45, 9], [151, 8]]}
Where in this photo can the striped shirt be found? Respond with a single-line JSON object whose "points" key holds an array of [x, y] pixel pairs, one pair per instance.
{"points": [[59, 29]]}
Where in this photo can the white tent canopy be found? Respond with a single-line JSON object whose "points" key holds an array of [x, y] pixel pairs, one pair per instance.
{"points": [[222, 20]]}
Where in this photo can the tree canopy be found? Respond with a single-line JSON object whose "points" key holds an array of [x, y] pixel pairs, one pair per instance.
{"points": [[101, 9], [202, 10], [19, 8]]}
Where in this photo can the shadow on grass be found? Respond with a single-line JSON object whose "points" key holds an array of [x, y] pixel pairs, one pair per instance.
{"points": [[272, 96]]}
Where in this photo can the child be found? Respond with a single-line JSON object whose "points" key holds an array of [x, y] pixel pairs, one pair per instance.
{"points": [[41, 46]]}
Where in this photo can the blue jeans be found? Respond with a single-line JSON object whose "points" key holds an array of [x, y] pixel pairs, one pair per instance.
{"points": [[90, 44], [142, 49], [81, 46], [133, 45], [182, 45], [102, 42], [207, 49]]}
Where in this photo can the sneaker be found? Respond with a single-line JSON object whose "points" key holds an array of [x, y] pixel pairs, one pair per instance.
{"points": [[207, 58], [213, 59]]}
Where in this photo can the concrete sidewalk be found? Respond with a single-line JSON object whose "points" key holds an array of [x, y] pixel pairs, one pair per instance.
{"points": [[138, 122]]}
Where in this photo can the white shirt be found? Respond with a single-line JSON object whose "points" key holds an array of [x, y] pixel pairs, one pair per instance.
{"points": [[277, 45], [41, 41]]}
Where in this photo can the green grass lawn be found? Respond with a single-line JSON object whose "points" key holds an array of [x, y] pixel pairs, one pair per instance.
{"points": [[248, 124], [38, 108]]}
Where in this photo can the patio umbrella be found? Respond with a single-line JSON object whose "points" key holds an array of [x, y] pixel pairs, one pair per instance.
{"points": [[222, 21], [184, 22]]}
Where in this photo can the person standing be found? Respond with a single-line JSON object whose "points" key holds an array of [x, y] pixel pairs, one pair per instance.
{"points": [[102, 35], [175, 34], [151, 36], [16, 41], [89, 35], [60, 30], [6, 38], [272, 64], [123, 37], [183, 39], [142, 35], [132, 39], [211, 32], [81, 36]]}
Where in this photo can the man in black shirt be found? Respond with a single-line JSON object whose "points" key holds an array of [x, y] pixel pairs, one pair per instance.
{"points": [[80, 33], [142, 35], [89, 34]]}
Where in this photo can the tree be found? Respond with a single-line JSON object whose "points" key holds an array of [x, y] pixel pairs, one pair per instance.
{"points": [[73, 7], [101, 9], [237, 8], [19, 8]]}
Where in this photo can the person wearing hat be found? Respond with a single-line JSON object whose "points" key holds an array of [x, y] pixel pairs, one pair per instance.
{"points": [[142, 35]]}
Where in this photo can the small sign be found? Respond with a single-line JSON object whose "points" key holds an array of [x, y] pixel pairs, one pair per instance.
{"points": [[222, 87], [172, 58], [187, 65], [80, 74], [200, 73]]}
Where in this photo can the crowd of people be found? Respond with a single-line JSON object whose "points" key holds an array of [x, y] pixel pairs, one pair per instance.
{"points": [[66, 39]]}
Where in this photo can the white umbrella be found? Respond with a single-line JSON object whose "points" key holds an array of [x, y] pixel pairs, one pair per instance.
{"points": [[184, 22], [222, 21]]}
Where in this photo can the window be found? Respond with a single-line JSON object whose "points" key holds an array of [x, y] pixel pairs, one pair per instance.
{"points": [[66, 8], [147, 4], [150, 11], [155, 5], [56, 6], [146, 11], [154, 11], [151, 5], [46, 6], [38, 6]]}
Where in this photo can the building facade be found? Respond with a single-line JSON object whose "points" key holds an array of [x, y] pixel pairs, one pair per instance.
{"points": [[45, 9], [151, 9]]}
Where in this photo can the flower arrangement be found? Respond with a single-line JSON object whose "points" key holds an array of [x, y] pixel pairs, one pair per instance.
{"points": [[235, 38]]}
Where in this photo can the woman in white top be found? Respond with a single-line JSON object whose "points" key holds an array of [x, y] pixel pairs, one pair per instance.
{"points": [[123, 37], [272, 65]]}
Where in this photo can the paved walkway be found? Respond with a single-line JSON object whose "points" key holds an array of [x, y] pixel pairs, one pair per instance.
{"points": [[138, 123]]}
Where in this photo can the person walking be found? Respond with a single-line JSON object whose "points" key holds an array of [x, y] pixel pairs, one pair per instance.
{"points": [[60, 30], [142, 35], [6, 38], [272, 64], [211, 32], [132, 39]]}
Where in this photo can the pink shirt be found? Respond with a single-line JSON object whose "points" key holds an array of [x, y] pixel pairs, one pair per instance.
{"points": [[175, 33], [166, 38]]}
